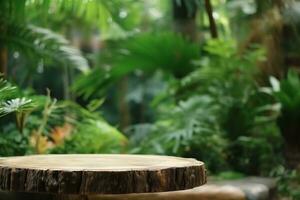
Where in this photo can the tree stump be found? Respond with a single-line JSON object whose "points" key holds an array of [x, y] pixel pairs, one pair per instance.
{"points": [[81, 176]]}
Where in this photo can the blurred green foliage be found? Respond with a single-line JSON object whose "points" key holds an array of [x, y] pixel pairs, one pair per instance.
{"points": [[13, 143], [179, 95], [287, 93], [53, 126], [93, 137], [148, 53], [288, 182], [228, 122]]}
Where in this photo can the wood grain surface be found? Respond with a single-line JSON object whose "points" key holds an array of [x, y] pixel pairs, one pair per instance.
{"points": [[99, 174]]}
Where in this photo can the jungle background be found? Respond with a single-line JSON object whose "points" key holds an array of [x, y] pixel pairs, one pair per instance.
{"points": [[217, 80]]}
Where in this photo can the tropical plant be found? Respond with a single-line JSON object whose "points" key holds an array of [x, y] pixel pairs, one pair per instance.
{"points": [[66, 127], [188, 129], [22, 36], [11, 103], [93, 136], [217, 113], [288, 182], [219, 62], [146, 52], [12, 142], [43, 43], [286, 92], [50, 123], [247, 116]]}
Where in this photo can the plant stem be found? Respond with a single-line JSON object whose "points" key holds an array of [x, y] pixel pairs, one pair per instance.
{"points": [[124, 108], [20, 119], [49, 107], [212, 22]]}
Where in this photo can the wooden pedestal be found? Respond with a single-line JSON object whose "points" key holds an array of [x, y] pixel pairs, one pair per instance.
{"points": [[99, 177]]}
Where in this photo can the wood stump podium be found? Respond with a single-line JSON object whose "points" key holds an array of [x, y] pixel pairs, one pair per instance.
{"points": [[97, 177]]}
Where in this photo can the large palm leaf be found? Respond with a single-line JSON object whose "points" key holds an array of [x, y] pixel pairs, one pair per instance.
{"points": [[87, 15], [147, 52], [43, 42], [17, 33], [61, 11]]}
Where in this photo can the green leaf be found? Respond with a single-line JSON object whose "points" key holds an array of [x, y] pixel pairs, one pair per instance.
{"points": [[7, 91], [275, 84], [43, 43], [16, 105], [147, 52]]}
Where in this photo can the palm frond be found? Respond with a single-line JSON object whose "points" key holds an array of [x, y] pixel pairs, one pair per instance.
{"points": [[91, 13], [45, 43], [60, 13], [6, 90], [148, 52]]}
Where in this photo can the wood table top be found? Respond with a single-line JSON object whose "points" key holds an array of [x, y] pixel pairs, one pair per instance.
{"points": [[99, 174]]}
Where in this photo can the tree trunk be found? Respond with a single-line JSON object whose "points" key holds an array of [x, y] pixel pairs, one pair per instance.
{"points": [[3, 60], [124, 111], [290, 132], [212, 22], [184, 14], [3, 47]]}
